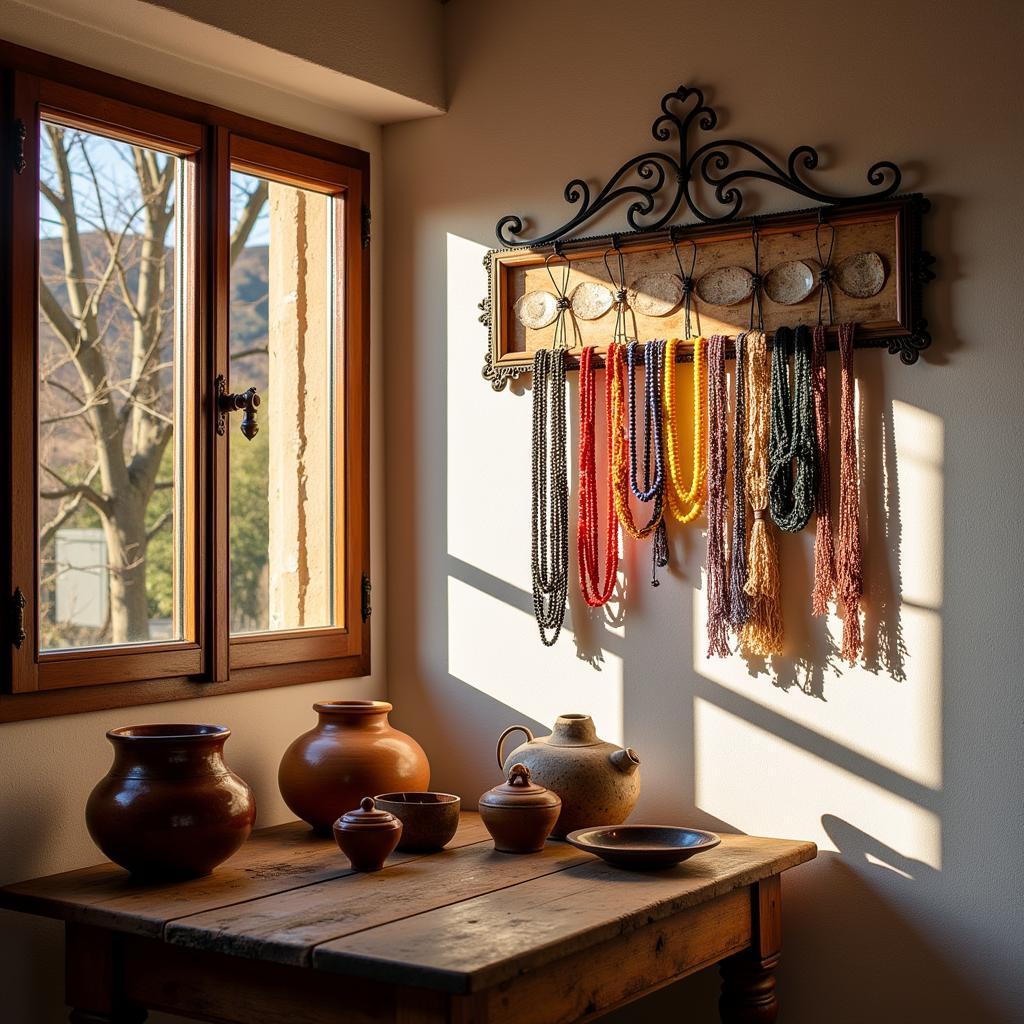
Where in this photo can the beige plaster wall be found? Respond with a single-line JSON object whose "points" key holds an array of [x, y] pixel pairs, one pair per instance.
{"points": [[906, 770], [396, 44], [48, 767]]}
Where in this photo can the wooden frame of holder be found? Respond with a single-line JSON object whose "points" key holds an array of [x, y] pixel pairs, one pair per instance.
{"points": [[891, 319]]}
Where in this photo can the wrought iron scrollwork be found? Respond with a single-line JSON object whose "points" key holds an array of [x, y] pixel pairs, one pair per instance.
{"points": [[648, 178]]}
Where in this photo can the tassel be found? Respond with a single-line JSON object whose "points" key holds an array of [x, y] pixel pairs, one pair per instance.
{"points": [[763, 633], [849, 568], [824, 550]]}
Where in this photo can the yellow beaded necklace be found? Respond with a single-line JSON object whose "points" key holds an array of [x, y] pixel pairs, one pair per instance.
{"points": [[685, 506]]}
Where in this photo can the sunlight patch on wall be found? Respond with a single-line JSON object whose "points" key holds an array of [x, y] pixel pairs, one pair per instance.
{"points": [[891, 713], [896, 724], [764, 785], [493, 647], [488, 436], [919, 439]]}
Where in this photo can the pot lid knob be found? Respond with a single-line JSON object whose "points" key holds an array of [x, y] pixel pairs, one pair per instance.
{"points": [[519, 791], [367, 815]]}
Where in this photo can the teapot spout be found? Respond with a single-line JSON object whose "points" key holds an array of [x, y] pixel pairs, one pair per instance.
{"points": [[625, 760]]}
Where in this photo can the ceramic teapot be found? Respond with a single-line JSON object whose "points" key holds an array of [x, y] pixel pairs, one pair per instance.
{"points": [[598, 782]]}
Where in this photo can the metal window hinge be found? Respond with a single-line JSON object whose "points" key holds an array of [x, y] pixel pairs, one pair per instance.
{"points": [[367, 611], [366, 215], [18, 604], [20, 136]]}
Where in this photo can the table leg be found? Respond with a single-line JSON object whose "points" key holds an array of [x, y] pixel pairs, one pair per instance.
{"points": [[92, 971], [748, 990], [748, 978]]}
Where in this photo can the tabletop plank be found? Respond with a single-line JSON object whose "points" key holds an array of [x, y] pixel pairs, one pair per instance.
{"points": [[273, 860], [284, 928], [484, 941]]}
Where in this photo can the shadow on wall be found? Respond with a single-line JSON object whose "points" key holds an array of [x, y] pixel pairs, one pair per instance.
{"points": [[805, 746], [881, 958], [29, 945]]}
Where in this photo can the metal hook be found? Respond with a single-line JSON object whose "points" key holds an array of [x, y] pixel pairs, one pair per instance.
{"points": [[825, 263], [618, 283], [686, 276], [687, 279], [755, 295], [559, 336], [556, 254]]}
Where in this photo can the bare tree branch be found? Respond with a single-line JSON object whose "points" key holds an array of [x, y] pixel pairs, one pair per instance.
{"points": [[259, 350], [248, 217], [69, 489], [160, 523], [64, 513]]}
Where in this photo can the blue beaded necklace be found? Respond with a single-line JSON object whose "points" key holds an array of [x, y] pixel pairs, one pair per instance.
{"points": [[654, 488]]}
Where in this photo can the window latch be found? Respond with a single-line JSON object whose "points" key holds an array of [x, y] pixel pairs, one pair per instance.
{"points": [[20, 137], [18, 603], [248, 401], [367, 611]]}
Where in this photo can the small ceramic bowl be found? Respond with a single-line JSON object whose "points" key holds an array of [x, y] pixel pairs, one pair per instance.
{"points": [[429, 820]]}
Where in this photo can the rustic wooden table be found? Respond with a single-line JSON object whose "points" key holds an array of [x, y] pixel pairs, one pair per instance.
{"points": [[285, 932]]}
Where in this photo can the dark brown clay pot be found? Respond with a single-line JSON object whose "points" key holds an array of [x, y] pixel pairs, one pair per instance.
{"points": [[170, 806], [353, 751], [367, 835]]}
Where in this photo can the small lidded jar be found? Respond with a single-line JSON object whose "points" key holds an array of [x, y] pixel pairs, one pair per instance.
{"points": [[519, 814], [367, 836]]}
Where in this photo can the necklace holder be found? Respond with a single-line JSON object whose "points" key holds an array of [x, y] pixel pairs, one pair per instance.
{"points": [[875, 240]]}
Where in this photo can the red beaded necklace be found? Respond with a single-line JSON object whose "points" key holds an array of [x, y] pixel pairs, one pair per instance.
{"points": [[596, 591]]}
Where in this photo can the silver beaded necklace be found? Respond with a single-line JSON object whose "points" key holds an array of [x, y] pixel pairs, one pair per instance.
{"points": [[549, 514]]}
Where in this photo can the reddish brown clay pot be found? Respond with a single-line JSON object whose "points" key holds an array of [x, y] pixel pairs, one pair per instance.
{"points": [[519, 814], [352, 751], [170, 806]]}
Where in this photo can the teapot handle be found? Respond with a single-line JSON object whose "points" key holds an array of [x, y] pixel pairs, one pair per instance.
{"points": [[501, 741]]}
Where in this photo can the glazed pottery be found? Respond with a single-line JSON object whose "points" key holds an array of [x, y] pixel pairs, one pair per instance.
{"points": [[429, 820], [367, 835], [598, 782], [519, 814], [643, 847], [352, 751], [170, 806]]}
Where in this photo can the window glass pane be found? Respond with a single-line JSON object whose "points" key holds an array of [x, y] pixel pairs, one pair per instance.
{"points": [[112, 318], [282, 312]]}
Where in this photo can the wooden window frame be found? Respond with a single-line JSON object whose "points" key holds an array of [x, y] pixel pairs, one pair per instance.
{"points": [[214, 140]]}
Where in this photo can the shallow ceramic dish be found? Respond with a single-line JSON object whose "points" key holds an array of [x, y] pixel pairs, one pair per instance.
{"points": [[656, 294], [429, 820], [861, 275], [591, 300], [643, 847], [725, 286], [789, 283], [536, 309]]}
